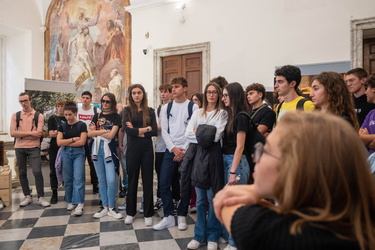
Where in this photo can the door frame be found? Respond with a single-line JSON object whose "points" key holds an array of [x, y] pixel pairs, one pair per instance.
{"points": [[204, 48], [357, 27]]}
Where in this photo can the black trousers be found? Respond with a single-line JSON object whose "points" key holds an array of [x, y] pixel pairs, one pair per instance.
{"points": [[175, 185], [52, 152], [140, 157], [94, 177]]}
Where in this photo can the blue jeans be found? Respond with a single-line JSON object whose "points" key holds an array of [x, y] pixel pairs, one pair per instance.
{"points": [[169, 171], [73, 164], [207, 228], [244, 171], [124, 172], [107, 178]]}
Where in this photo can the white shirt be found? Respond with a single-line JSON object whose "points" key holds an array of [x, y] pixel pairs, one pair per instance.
{"points": [[86, 115], [178, 121], [219, 121]]}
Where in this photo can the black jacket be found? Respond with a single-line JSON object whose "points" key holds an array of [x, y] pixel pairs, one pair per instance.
{"points": [[202, 165]]}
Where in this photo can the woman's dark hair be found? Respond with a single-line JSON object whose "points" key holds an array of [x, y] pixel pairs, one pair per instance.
{"points": [[144, 104], [237, 104], [71, 106], [199, 96], [111, 97]]}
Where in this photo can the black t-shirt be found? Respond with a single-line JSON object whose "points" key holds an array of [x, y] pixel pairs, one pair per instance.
{"points": [[362, 108], [265, 116], [107, 121], [256, 227], [137, 122], [54, 122], [72, 130], [230, 140]]}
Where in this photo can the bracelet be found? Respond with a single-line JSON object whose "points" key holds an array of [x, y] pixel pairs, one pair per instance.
{"points": [[72, 139], [232, 172]]}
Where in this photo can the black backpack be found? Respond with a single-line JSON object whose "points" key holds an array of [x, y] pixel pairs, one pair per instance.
{"points": [[300, 106]]}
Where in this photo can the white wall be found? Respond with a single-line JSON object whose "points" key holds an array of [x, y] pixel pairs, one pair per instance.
{"points": [[20, 24], [249, 38]]}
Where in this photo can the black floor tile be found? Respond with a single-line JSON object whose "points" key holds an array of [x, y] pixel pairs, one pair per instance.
{"points": [[80, 241], [150, 235], [32, 206], [11, 244], [5, 215], [85, 218], [56, 212], [112, 226], [42, 232], [19, 223]]}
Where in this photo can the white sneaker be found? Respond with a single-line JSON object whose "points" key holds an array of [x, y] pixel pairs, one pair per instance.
{"points": [[101, 213], [70, 207], [122, 207], [229, 247], [79, 210], [148, 221], [129, 220], [194, 244], [181, 220], [113, 213], [166, 222], [212, 245], [26, 201], [43, 202]]}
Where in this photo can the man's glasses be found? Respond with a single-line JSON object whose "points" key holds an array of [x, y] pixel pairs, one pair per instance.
{"points": [[22, 101], [258, 152], [214, 92], [106, 101]]}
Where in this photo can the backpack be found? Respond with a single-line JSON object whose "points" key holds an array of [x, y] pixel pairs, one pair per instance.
{"points": [[190, 111], [300, 105], [35, 119]]}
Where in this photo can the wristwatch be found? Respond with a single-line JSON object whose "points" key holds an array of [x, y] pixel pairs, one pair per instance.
{"points": [[148, 129]]}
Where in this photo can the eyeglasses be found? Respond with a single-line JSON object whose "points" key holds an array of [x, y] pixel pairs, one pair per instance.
{"points": [[21, 101], [258, 152], [225, 96], [214, 92], [106, 101]]}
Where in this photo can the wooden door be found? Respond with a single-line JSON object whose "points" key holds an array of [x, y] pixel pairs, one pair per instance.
{"points": [[188, 66], [369, 55]]}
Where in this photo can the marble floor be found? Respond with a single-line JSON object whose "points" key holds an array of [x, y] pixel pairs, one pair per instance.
{"points": [[35, 227]]}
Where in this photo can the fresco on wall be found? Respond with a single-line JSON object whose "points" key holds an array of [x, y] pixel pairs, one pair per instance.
{"points": [[88, 43]]}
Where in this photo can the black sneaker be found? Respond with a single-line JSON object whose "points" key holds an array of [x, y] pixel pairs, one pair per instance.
{"points": [[158, 205], [123, 193]]}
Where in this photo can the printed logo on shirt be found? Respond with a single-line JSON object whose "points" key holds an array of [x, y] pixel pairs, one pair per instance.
{"points": [[84, 117]]}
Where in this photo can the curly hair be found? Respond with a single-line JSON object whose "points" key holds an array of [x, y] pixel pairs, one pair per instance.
{"points": [[337, 96], [291, 73]]}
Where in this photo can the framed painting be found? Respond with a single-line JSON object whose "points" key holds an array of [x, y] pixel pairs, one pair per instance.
{"points": [[87, 42]]}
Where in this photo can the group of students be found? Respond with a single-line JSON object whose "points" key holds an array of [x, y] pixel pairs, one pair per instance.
{"points": [[325, 196]]}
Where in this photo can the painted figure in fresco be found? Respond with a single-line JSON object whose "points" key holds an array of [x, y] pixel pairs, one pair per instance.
{"points": [[83, 21], [56, 74], [83, 43], [114, 86], [56, 49], [115, 42]]}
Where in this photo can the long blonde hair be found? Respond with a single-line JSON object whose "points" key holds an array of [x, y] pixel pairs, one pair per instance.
{"points": [[325, 178]]}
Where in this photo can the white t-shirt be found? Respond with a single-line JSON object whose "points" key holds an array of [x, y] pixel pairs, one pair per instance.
{"points": [[178, 120], [86, 115]]}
